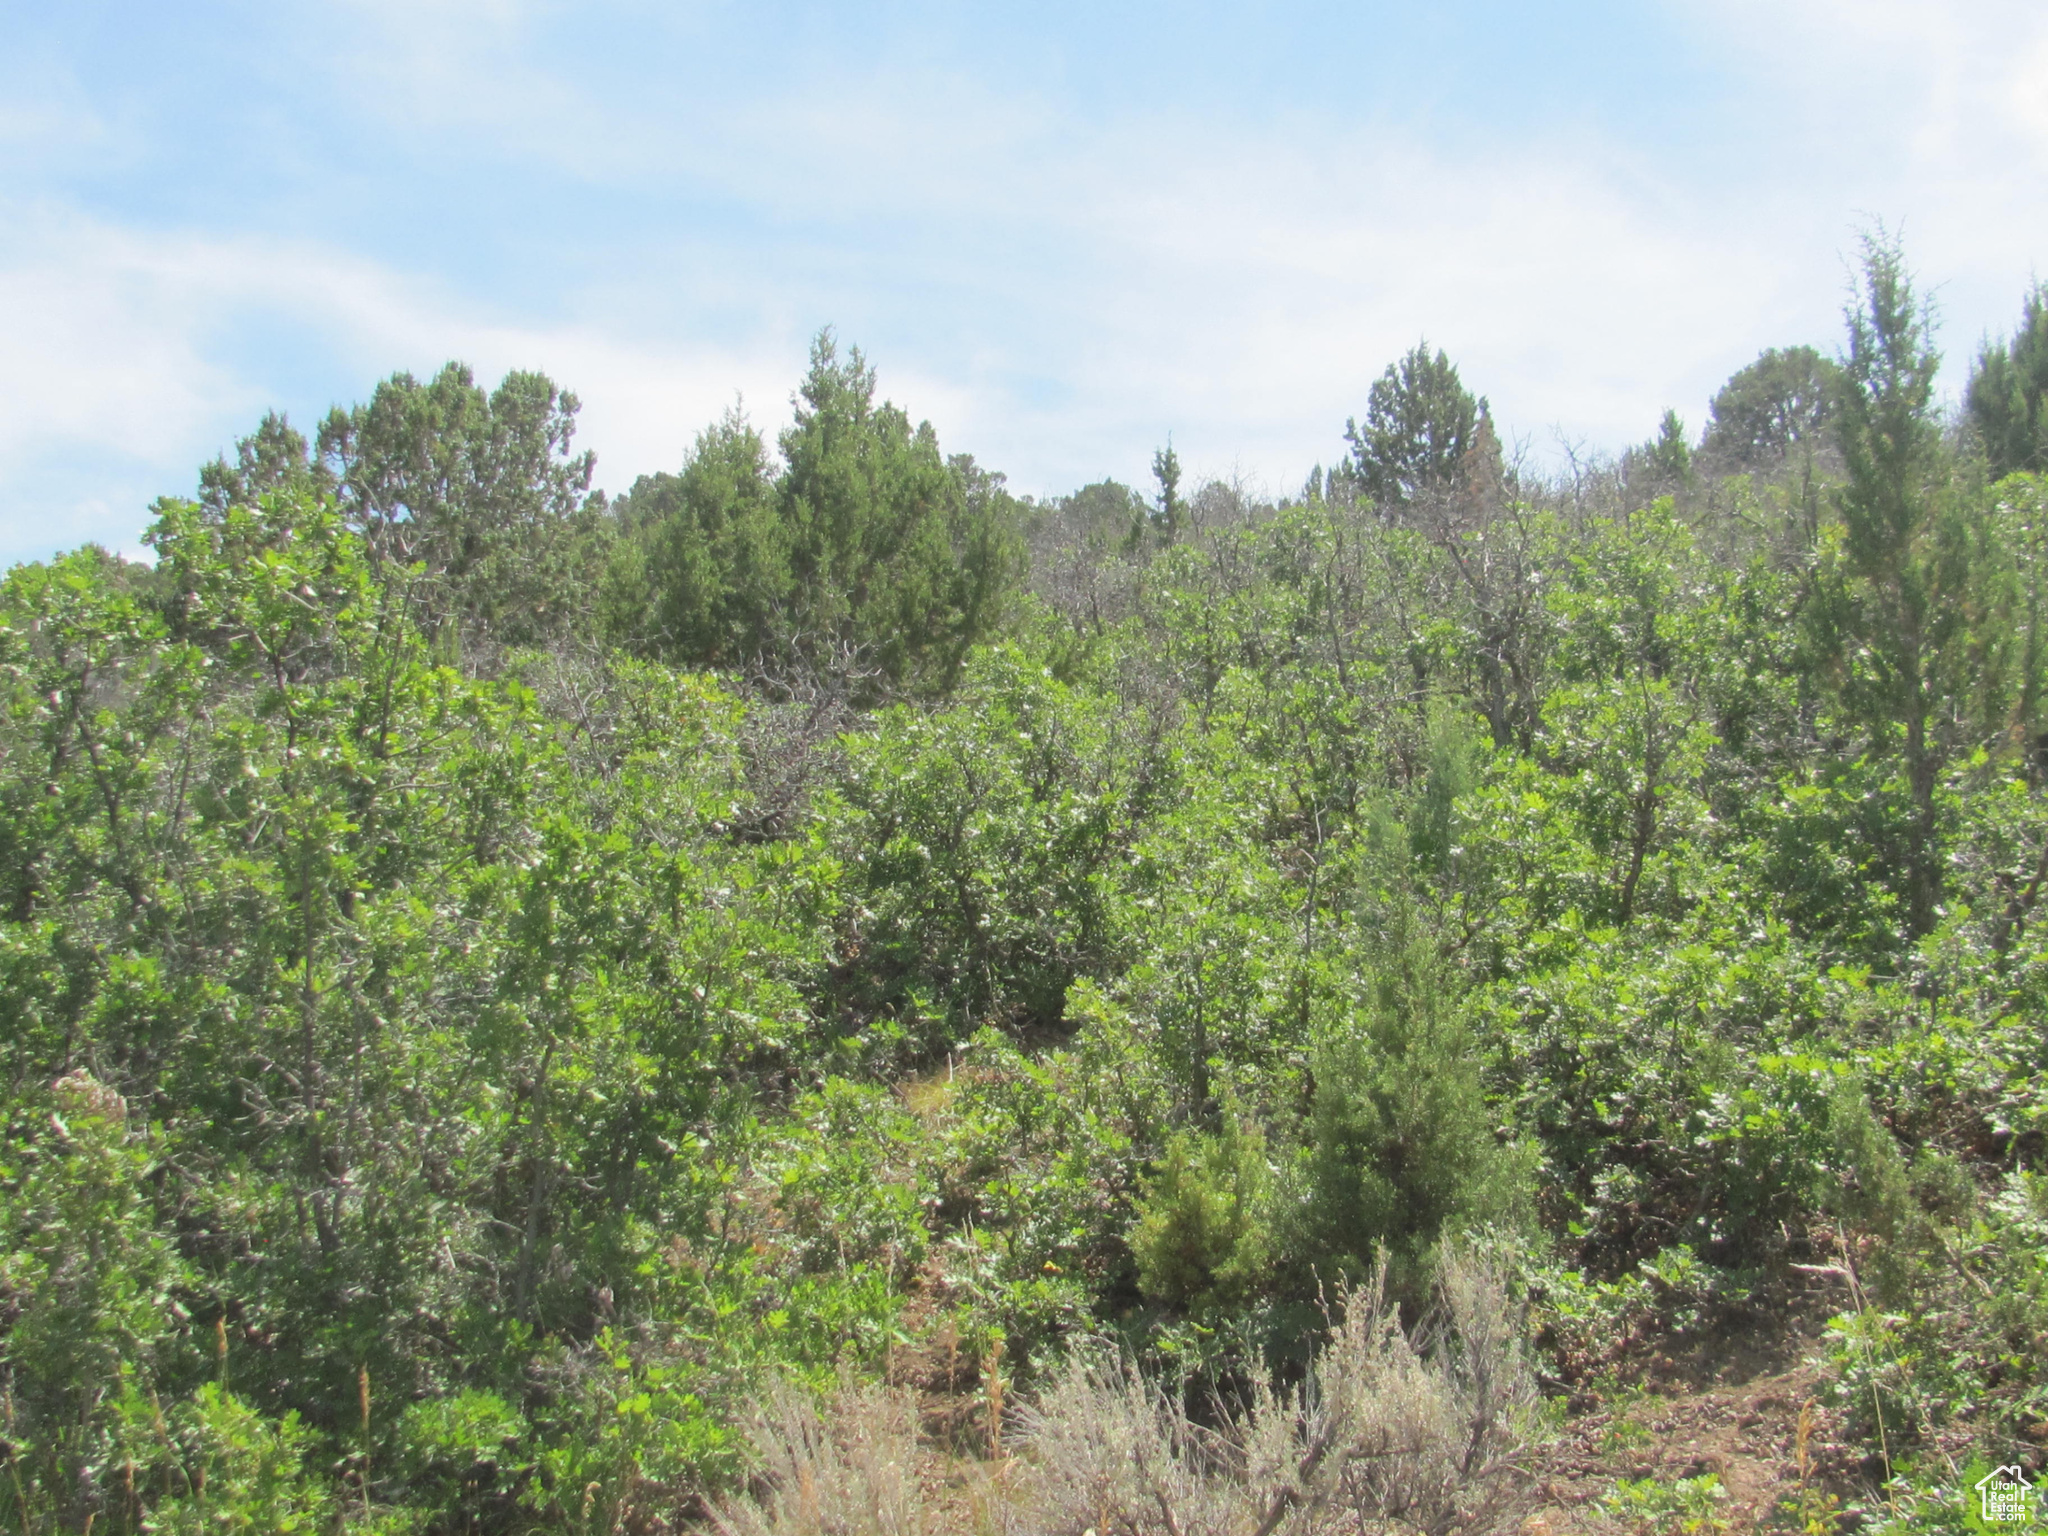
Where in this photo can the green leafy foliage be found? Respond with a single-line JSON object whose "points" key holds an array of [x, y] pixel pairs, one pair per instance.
{"points": [[459, 1058], [245, 1472], [1684, 1507]]}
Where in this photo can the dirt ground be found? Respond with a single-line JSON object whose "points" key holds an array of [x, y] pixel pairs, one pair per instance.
{"points": [[1756, 1422]]}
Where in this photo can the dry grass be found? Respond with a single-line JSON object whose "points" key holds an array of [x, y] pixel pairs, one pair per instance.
{"points": [[1395, 1428], [848, 1472], [1392, 1430]]}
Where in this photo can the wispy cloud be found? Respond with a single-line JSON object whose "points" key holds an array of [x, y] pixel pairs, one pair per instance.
{"points": [[130, 357]]}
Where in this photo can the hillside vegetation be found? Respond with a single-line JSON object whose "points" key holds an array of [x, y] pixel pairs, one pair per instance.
{"points": [[501, 983]]}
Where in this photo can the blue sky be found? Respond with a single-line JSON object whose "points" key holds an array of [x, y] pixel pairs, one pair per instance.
{"points": [[1059, 231]]}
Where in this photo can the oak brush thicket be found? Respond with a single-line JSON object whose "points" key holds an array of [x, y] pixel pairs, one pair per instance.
{"points": [[514, 999]]}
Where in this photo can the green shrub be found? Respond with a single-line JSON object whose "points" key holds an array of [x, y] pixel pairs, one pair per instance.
{"points": [[1402, 1145], [243, 1473], [1687, 1507], [1872, 1190], [846, 1182], [464, 1452], [88, 1287], [1204, 1235], [1035, 1173]]}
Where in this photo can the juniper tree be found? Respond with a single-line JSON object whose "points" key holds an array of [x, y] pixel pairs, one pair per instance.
{"points": [[2006, 389], [1420, 422]]}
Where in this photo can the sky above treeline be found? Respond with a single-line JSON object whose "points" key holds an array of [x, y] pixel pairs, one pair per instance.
{"points": [[1059, 231]]}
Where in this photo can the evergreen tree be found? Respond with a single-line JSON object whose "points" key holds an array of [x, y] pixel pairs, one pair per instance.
{"points": [[869, 556], [1401, 1148], [705, 555], [481, 489], [275, 457], [1664, 464], [2006, 389], [1420, 423], [1898, 592], [1166, 518], [1204, 1236], [1781, 402], [898, 560]]}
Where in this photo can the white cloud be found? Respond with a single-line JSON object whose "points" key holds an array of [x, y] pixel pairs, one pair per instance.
{"points": [[118, 358], [1932, 114], [1244, 289], [2026, 92]]}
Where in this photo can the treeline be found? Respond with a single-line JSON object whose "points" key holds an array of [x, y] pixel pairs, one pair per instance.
{"points": [[497, 975], [863, 553]]}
